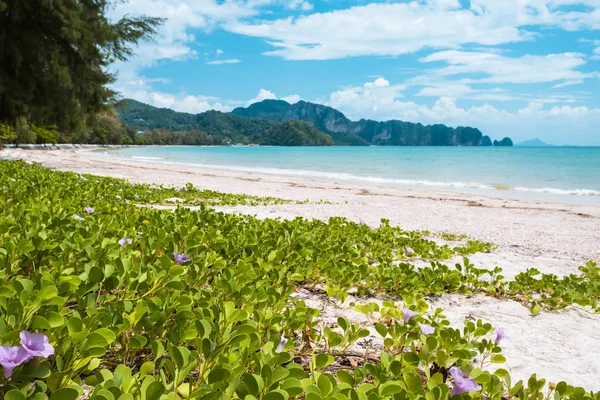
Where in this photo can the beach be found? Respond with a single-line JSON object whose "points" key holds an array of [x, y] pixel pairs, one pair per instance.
{"points": [[554, 237]]}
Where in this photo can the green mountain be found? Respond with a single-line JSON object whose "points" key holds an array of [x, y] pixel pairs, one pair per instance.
{"points": [[165, 126], [266, 123], [533, 143], [364, 132]]}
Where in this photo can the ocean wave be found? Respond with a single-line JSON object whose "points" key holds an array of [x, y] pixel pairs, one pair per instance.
{"points": [[563, 192], [146, 158], [337, 176], [342, 176]]}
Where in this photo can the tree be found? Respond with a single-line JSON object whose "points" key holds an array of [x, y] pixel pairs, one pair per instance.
{"points": [[6, 134], [54, 57]]}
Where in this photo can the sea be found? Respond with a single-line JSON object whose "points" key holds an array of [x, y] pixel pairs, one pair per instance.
{"points": [[565, 174]]}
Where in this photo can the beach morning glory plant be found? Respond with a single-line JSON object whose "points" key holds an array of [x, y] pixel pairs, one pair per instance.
{"points": [[462, 383], [408, 314], [12, 357], [124, 241], [180, 258], [281, 346], [32, 345], [426, 329], [500, 335], [36, 344]]}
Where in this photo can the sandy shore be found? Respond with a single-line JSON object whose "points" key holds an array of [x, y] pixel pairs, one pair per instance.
{"points": [[553, 237]]}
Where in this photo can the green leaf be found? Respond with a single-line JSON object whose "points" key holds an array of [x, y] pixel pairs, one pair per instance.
{"points": [[154, 390], [14, 395], [389, 388], [323, 360], [218, 375], [254, 384], [66, 393]]}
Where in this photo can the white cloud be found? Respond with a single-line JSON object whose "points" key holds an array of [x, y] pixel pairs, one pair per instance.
{"points": [[501, 69], [263, 94], [379, 82], [300, 4], [219, 52], [292, 99], [390, 29], [182, 102], [227, 61]]}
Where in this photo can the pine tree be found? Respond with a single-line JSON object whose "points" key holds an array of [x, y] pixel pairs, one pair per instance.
{"points": [[54, 56]]}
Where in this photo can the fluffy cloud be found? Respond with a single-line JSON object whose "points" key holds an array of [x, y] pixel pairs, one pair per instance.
{"points": [[292, 99], [378, 96], [263, 94], [400, 28], [501, 69], [182, 102]]}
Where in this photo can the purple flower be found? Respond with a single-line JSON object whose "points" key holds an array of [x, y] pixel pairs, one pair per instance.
{"points": [[124, 242], [36, 344], [426, 329], [181, 259], [408, 314], [77, 217], [409, 251], [139, 235], [177, 190], [500, 335], [462, 383], [89, 210], [11, 357], [282, 342], [361, 222]]}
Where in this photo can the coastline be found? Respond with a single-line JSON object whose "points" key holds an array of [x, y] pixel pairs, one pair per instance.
{"points": [[534, 228], [552, 237]]}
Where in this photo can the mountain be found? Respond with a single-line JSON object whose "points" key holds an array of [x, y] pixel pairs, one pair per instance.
{"points": [[533, 143], [506, 142], [364, 132], [165, 126], [265, 123]]}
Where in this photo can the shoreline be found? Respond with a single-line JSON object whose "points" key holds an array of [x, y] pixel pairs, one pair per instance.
{"points": [[534, 228]]}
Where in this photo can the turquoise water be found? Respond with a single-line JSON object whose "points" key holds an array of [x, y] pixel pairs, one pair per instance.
{"points": [[570, 174]]}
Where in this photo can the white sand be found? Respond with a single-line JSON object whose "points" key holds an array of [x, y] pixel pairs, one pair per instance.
{"points": [[553, 237]]}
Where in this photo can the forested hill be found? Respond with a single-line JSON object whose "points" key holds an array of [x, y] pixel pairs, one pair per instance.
{"points": [[347, 132], [165, 126], [261, 123]]}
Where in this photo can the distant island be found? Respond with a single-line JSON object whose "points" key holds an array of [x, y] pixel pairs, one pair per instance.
{"points": [[534, 143], [268, 122]]}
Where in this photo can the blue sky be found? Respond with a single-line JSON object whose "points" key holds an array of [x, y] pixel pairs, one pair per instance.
{"points": [[518, 68]]}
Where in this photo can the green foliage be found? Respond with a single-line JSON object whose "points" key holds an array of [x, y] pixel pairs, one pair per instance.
{"points": [[295, 133], [55, 56], [7, 133], [167, 127], [126, 322], [43, 135], [219, 128]]}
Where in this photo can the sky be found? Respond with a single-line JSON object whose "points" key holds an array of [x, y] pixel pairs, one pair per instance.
{"points": [[520, 68]]}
